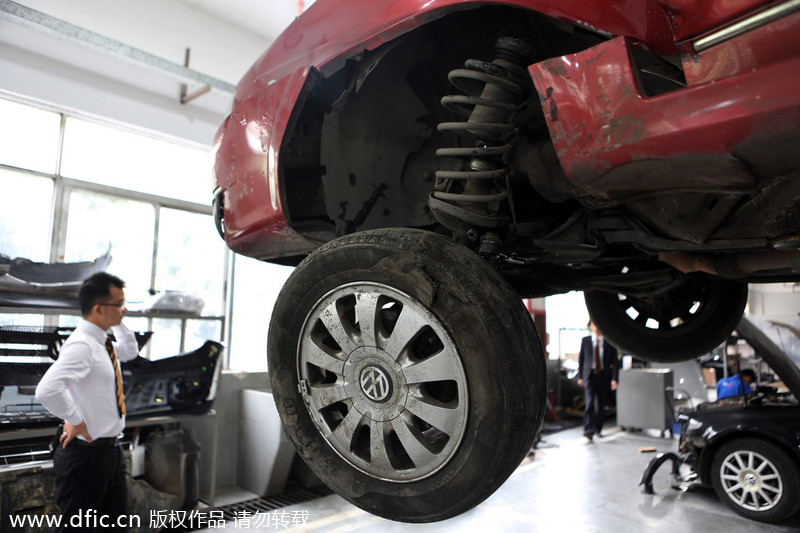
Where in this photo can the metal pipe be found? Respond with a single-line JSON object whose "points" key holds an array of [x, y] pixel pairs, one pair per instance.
{"points": [[743, 26]]}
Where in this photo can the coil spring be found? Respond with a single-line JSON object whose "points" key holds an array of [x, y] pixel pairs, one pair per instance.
{"points": [[492, 93]]}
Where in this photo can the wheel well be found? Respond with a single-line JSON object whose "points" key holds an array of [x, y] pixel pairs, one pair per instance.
{"points": [[707, 457], [359, 152]]}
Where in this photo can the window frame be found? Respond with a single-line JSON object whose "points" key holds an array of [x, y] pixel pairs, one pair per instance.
{"points": [[63, 187]]}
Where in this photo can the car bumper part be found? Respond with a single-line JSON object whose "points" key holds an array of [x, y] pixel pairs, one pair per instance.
{"points": [[615, 142]]}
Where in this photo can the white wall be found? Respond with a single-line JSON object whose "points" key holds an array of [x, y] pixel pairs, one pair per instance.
{"points": [[775, 301]]}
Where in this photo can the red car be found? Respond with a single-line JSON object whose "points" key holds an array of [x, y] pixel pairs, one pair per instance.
{"points": [[427, 163]]}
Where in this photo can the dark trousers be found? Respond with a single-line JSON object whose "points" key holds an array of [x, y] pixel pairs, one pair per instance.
{"points": [[595, 390], [91, 487]]}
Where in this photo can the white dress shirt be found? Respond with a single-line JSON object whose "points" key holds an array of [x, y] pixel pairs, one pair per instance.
{"points": [[81, 385]]}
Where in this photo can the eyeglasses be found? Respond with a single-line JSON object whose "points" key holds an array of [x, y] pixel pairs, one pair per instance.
{"points": [[118, 304]]}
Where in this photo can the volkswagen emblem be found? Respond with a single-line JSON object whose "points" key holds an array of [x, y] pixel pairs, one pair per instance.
{"points": [[375, 384]]}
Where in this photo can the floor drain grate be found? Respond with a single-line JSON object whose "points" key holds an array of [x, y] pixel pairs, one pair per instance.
{"points": [[265, 505]]}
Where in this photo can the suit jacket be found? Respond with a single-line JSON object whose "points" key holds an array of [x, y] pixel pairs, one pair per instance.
{"points": [[609, 355]]}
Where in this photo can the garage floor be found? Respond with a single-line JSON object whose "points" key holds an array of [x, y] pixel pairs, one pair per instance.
{"points": [[569, 486]]}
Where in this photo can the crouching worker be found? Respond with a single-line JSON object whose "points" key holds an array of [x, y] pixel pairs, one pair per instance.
{"points": [[736, 385]]}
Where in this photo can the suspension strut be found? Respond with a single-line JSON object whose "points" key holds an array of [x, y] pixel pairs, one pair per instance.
{"points": [[469, 200]]}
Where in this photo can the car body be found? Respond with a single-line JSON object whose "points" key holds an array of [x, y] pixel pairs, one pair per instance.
{"points": [[748, 447], [642, 151], [682, 151], [762, 427]]}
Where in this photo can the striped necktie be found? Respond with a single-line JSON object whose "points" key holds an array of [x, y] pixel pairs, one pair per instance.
{"points": [[120, 393]]}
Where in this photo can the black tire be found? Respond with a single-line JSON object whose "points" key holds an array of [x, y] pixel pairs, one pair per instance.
{"points": [[757, 479], [483, 409], [676, 325]]}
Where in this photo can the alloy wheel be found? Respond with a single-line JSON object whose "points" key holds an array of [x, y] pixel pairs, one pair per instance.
{"points": [[751, 480]]}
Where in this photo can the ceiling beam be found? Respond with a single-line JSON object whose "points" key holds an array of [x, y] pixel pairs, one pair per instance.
{"points": [[36, 20]]}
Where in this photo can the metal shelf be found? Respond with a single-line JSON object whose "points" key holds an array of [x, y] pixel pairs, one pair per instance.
{"points": [[74, 311]]}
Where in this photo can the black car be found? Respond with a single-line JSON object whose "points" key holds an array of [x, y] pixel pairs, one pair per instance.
{"points": [[747, 447]]}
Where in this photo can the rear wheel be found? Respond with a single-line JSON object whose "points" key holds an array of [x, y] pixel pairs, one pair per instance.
{"points": [[408, 375], [674, 325], [757, 480]]}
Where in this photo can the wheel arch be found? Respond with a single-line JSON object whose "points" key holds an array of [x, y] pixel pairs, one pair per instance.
{"points": [[341, 170]]}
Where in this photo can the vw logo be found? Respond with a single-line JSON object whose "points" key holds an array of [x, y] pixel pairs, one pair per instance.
{"points": [[375, 384]]}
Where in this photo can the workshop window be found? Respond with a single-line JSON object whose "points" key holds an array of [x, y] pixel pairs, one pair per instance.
{"points": [[25, 227], [172, 338], [128, 160], [25, 221], [28, 137], [28, 142], [254, 294], [99, 222], [193, 239], [75, 188]]}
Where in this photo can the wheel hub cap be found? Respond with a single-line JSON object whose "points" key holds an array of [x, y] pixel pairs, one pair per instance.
{"points": [[750, 481], [375, 384], [382, 381]]}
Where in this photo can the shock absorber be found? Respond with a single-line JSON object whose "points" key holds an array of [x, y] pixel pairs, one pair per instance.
{"points": [[470, 200]]}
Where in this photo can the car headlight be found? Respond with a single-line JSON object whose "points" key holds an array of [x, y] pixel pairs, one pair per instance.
{"points": [[693, 425]]}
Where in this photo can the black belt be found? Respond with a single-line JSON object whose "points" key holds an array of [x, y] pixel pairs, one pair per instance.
{"points": [[99, 443]]}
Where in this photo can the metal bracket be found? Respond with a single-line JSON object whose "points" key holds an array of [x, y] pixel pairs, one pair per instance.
{"points": [[302, 387], [187, 97]]}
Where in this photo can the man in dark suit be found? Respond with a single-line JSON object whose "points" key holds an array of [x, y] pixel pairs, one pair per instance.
{"points": [[598, 371]]}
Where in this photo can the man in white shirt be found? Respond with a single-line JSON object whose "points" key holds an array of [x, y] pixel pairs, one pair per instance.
{"points": [[84, 388]]}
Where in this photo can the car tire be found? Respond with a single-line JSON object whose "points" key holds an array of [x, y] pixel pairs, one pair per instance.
{"points": [[425, 409], [676, 325], [757, 479]]}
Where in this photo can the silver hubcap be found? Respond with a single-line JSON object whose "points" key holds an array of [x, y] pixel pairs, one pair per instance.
{"points": [[750, 480], [383, 381]]}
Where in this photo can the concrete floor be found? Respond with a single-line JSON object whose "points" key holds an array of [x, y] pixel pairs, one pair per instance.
{"points": [[569, 486]]}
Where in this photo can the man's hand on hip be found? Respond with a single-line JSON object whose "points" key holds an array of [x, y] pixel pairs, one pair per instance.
{"points": [[70, 432]]}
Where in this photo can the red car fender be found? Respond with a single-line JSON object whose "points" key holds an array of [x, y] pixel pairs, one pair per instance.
{"points": [[246, 168]]}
